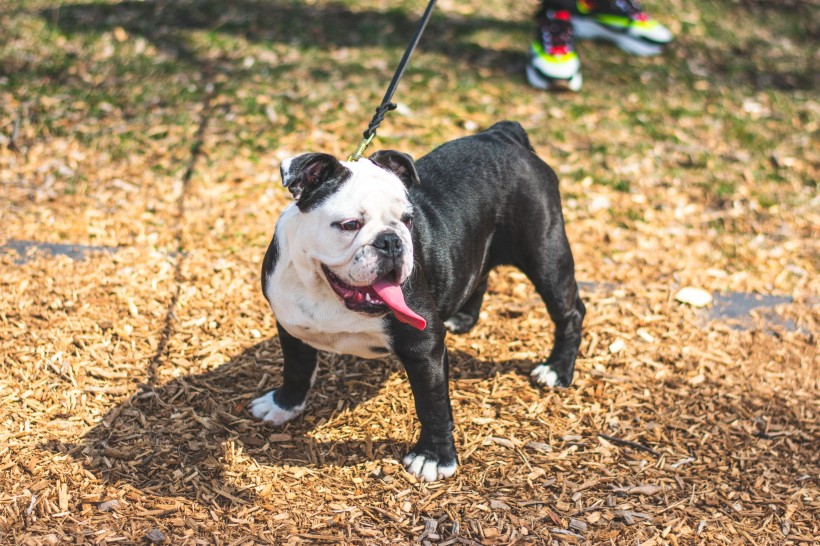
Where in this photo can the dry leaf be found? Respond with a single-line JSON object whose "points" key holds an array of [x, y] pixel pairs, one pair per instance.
{"points": [[696, 297]]}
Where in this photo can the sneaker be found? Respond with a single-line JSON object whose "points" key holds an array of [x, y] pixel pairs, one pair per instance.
{"points": [[623, 22], [553, 61]]}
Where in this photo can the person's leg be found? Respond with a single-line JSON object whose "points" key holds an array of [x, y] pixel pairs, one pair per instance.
{"points": [[622, 22], [553, 61]]}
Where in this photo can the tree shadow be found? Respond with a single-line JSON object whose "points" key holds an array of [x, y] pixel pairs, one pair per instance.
{"points": [[180, 439], [295, 23], [312, 28], [176, 439]]}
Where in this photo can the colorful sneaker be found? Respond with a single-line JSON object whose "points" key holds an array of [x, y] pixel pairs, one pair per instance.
{"points": [[553, 61], [623, 22]]}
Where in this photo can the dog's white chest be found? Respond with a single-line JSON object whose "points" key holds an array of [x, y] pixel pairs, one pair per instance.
{"points": [[362, 344], [318, 318]]}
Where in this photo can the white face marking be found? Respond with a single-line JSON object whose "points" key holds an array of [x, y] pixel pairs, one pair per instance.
{"points": [[297, 288], [427, 470], [373, 196], [544, 375], [285, 167], [266, 409]]}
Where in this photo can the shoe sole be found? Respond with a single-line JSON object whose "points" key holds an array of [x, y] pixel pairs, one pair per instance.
{"points": [[554, 70], [591, 30], [540, 81]]}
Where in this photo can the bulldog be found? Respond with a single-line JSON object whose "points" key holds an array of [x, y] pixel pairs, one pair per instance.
{"points": [[382, 255]]}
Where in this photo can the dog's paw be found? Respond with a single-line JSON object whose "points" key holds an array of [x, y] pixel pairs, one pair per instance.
{"points": [[545, 376], [265, 408], [460, 323], [427, 468]]}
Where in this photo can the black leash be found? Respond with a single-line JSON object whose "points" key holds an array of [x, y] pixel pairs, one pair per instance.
{"points": [[386, 105]]}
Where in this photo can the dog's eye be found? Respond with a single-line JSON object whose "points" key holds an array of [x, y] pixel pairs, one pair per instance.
{"points": [[407, 220], [349, 225]]}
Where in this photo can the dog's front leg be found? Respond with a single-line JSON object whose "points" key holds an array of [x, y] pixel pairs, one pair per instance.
{"points": [[424, 357], [281, 405]]}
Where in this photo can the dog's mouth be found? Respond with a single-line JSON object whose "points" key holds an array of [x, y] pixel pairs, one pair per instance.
{"points": [[377, 299], [357, 298]]}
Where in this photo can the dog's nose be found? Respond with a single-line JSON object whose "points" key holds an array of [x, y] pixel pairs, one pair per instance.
{"points": [[388, 243]]}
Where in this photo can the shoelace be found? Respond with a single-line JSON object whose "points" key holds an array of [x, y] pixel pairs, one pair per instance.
{"points": [[560, 35]]}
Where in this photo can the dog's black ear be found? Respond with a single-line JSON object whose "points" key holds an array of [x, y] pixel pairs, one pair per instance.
{"points": [[400, 164], [304, 173]]}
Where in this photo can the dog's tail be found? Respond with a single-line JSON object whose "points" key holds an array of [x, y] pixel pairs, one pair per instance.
{"points": [[513, 131]]}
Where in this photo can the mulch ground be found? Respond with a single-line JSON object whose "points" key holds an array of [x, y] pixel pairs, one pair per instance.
{"points": [[124, 375]]}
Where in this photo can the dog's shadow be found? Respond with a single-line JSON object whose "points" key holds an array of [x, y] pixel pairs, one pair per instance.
{"points": [[179, 438]]}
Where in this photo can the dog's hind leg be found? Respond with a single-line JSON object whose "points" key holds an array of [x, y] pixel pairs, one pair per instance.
{"points": [[552, 271], [285, 403], [466, 317]]}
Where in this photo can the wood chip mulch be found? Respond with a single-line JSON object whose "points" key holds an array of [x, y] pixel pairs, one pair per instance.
{"points": [[124, 378]]}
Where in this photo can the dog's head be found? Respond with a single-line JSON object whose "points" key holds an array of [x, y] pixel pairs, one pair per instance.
{"points": [[351, 227]]}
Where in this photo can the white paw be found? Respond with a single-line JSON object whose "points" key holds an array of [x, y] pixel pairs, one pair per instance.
{"points": [[451, 325], [459, 323], [544, 375], [266, 409], [427, 470]]}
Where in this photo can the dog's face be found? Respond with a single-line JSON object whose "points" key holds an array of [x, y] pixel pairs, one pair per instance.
{"points": [[350, 226]]}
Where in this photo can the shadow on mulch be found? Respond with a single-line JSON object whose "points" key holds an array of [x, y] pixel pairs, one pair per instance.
{"points": [[179, 439], [173, 440]]}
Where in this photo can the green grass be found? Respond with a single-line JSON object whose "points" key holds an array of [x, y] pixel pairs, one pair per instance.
{"points": [[123, 80]]}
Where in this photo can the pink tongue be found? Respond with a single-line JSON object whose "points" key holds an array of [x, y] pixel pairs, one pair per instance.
{"points": [[390, 292]]}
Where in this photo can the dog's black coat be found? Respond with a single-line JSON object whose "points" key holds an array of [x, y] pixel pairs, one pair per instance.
{"points": [[483, 201]]}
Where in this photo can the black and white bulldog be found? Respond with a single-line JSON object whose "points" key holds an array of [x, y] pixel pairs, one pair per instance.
{"points": [[380, 255]]}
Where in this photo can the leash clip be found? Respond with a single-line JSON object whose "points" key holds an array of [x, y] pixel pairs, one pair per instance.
{"points": [[386, 105], [357, 155]]}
